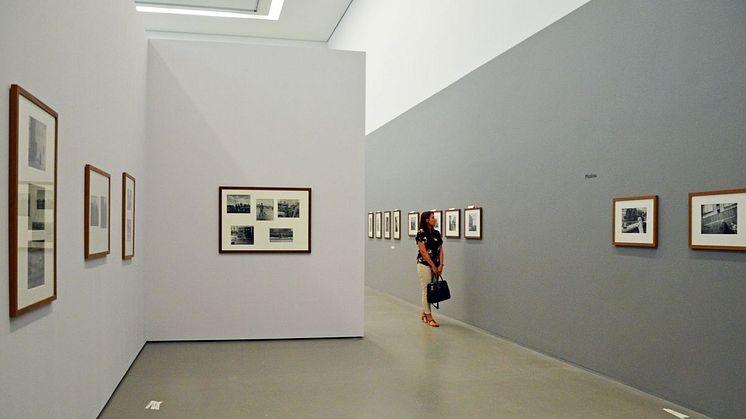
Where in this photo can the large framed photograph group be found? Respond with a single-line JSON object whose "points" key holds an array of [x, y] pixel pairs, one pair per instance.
{"points": [[635, 221], [33, 202], [261, 219], [713, 220]]}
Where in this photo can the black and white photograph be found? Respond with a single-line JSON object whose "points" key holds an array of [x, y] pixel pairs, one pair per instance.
{"points": [[279, 220], [128, 231], [453, 223], [97, 240], [635, 221], [36, 253], [37, 146], [95, 212], [387, 224], [130, 198], [396, 224], [104, 213], [32, 196], [239, 204], [473, 223], [370, 225], [242, 235], [438, 214], [379, 224], [265, 209], [713, 220], [413, 219], [288, 208], [281, 235]]}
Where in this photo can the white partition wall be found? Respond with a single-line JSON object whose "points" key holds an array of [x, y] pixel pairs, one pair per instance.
{"points": [[263, 116]]}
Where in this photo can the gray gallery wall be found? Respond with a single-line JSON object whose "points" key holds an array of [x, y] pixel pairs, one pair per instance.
{"points": [[226, 114], [650, 97], [87, 60]]}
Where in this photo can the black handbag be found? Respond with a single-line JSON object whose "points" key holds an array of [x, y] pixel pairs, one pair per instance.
{"points": [[437, 291]]}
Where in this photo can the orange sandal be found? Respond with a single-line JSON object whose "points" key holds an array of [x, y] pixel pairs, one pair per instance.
{"points": [[428, 320]]}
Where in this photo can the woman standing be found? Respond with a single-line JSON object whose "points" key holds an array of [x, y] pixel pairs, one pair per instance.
{"points": [[430, 260]]}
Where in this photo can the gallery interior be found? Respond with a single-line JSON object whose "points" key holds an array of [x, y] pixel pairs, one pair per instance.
{"points": [[540, 113]]}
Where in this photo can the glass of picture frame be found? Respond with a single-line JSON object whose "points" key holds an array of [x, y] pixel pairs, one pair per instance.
{"points": [[714, 217], [370, 225], [387, 224], [635, 221], [396, 224], [128, 216], [97, 239], [32, 202], [378, 224], [453, 223], [264, 219], [473, 223], [413, 221]]}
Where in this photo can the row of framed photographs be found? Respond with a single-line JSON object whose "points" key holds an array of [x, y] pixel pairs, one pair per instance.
{"points": [[33, 205], [713, 220], [387, 224]]}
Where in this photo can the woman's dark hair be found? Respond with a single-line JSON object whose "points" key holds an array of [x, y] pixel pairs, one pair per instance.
{"points": [[423, 220]]}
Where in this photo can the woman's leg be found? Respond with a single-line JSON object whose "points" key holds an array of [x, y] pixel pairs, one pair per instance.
{"points": [[425, 275]]}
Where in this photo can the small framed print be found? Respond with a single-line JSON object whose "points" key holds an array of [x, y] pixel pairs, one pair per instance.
{"points": [[264, 220], [635, 221], [453, 223], [379, 222], [128, 216], [473, 223], [32, 202], [396, 224], [438, 214], [370, 225], [413, 223], [387, 224], [97, 213], [713, 220]]}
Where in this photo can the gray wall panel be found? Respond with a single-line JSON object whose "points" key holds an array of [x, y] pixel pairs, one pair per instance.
{"points": [[651, 96]]}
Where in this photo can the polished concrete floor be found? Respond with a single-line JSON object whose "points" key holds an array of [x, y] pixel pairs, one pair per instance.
{"points": [[401, 369]]}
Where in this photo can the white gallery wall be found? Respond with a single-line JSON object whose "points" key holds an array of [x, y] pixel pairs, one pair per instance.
{"points": [[87, 60], [415, 48], [227, 114]]}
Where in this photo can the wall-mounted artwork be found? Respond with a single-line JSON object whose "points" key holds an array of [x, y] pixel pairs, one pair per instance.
{"points": [[438, 220], [453, 223], [379, 222], [370, 225], [713, 220], [413, 221], [97, 213], [264, 220], [635, 221], [396, 224], [128, 216], [387, 224], [473, 223], [33, 202]]}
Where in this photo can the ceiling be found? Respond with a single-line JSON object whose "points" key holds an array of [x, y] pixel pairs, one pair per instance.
{"points": [[303, 20]]}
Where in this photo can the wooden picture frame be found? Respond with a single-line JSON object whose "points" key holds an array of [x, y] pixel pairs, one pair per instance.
{"points": [[635, 221], [453, 223], [264, 219], [97, 234], [378, 224], [370, 225], [473, 223], [387, 224], [32, 202], [413, 221], [128, 216], [714, 217], [396, 224]]}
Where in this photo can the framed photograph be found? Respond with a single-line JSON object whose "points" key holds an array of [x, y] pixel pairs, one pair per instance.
{"points": [[387, 224], [264, 220], [413, 223], [473, 223], [378, 222], [453, 223], [33, 202], [370, 225], [635, 221], [713, 220], [128, 216], [438, 220], [97, 213], [396, 224]]}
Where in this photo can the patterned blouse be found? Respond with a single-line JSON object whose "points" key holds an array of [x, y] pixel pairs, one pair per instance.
{"points": [[433, 241]]}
